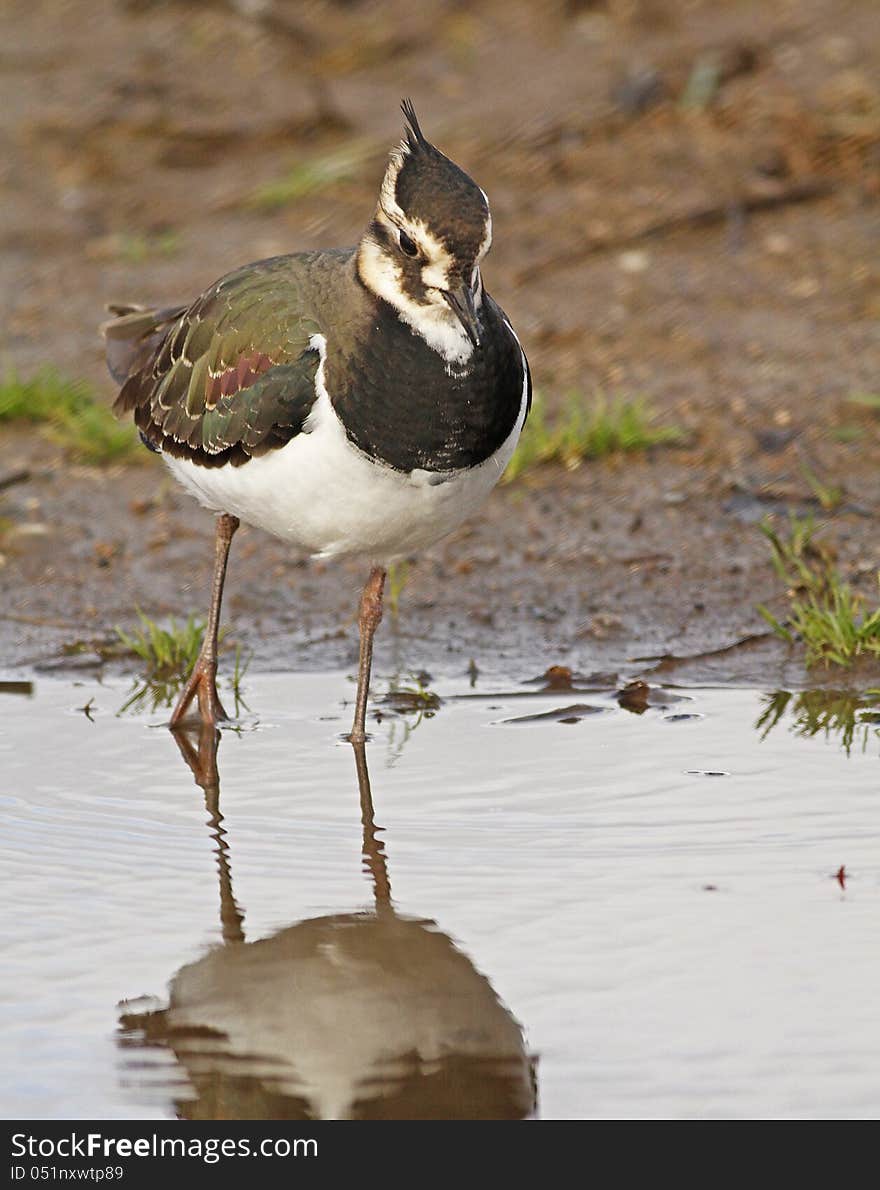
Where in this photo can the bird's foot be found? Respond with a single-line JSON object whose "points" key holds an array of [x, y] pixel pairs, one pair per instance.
{"points": [[198, 744], [202, 685]]}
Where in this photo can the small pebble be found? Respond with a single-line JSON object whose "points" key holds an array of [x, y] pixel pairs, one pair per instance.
{"points": [[633, 262]]}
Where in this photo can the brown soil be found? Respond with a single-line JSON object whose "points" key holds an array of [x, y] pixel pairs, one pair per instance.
{"points": [[718, 259]]}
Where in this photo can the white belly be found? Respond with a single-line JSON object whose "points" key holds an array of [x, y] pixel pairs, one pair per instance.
{"points": [[323, 495]]}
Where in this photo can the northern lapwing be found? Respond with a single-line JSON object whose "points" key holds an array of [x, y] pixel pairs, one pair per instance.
{"points": [[354, 402]]}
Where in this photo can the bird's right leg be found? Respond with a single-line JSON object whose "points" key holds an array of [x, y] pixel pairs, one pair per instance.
{"points": [[202, 682], [368, 621]]}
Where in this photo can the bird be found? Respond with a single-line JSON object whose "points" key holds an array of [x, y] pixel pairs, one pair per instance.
{"points": [[356, 403], [365, 1014]]}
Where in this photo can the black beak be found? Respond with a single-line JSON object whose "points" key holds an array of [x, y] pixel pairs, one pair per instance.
{"points": [[461, 301]]}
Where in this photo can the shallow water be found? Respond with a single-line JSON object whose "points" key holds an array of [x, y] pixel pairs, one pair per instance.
{"points": [[636, 913]]}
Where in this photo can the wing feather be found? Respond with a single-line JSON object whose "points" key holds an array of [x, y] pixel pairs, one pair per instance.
{"points": [[229, 377]]}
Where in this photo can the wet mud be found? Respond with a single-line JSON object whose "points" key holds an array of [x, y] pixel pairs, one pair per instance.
{"points": [[685, 201]]}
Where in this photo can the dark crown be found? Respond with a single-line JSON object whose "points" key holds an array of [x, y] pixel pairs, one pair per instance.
{"points": [[433, 189]]}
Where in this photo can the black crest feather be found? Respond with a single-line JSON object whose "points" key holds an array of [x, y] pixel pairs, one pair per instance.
{"points": [[414, 135]]}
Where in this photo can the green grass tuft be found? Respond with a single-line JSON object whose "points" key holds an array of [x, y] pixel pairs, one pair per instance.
{"points": [[308, 177], [73, 415], [398, 577], [702, 86], [849, 432], [866, 400], [42, 397], [407, 704], [135, 247], [169, 655], [830, 496], [824, 612], [584, 429]]}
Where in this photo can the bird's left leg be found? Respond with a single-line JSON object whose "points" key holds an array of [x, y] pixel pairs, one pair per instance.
{"points": [[203, 679], [199, 750], [368, 621]]}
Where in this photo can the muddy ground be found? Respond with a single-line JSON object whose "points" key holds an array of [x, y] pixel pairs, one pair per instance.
{"points": [[685, 197]]}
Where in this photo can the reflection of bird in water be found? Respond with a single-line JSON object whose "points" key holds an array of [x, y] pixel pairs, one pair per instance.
{"points": [[359, 1015]]}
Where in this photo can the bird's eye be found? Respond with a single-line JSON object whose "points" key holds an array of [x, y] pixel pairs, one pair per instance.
{"points": [[407, 245]]}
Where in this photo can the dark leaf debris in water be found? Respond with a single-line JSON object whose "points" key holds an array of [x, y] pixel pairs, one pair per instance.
{"points": [[638, 695], [557, 678], [634, 697], [570, 714]]}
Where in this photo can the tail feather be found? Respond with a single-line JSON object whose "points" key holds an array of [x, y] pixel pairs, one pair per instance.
{"points": [[133, 336]]}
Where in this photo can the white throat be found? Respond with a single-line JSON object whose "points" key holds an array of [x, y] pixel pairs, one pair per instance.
{"points": [[435, 323]]}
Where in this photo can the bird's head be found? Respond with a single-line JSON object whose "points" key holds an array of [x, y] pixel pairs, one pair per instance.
{"points": [[422, 251]]}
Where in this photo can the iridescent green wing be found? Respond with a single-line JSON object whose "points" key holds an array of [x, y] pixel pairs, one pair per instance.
{"points": [[234, 375]]}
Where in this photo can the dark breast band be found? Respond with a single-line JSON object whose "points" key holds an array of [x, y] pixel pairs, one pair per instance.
{"points": [[399, 403]]}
